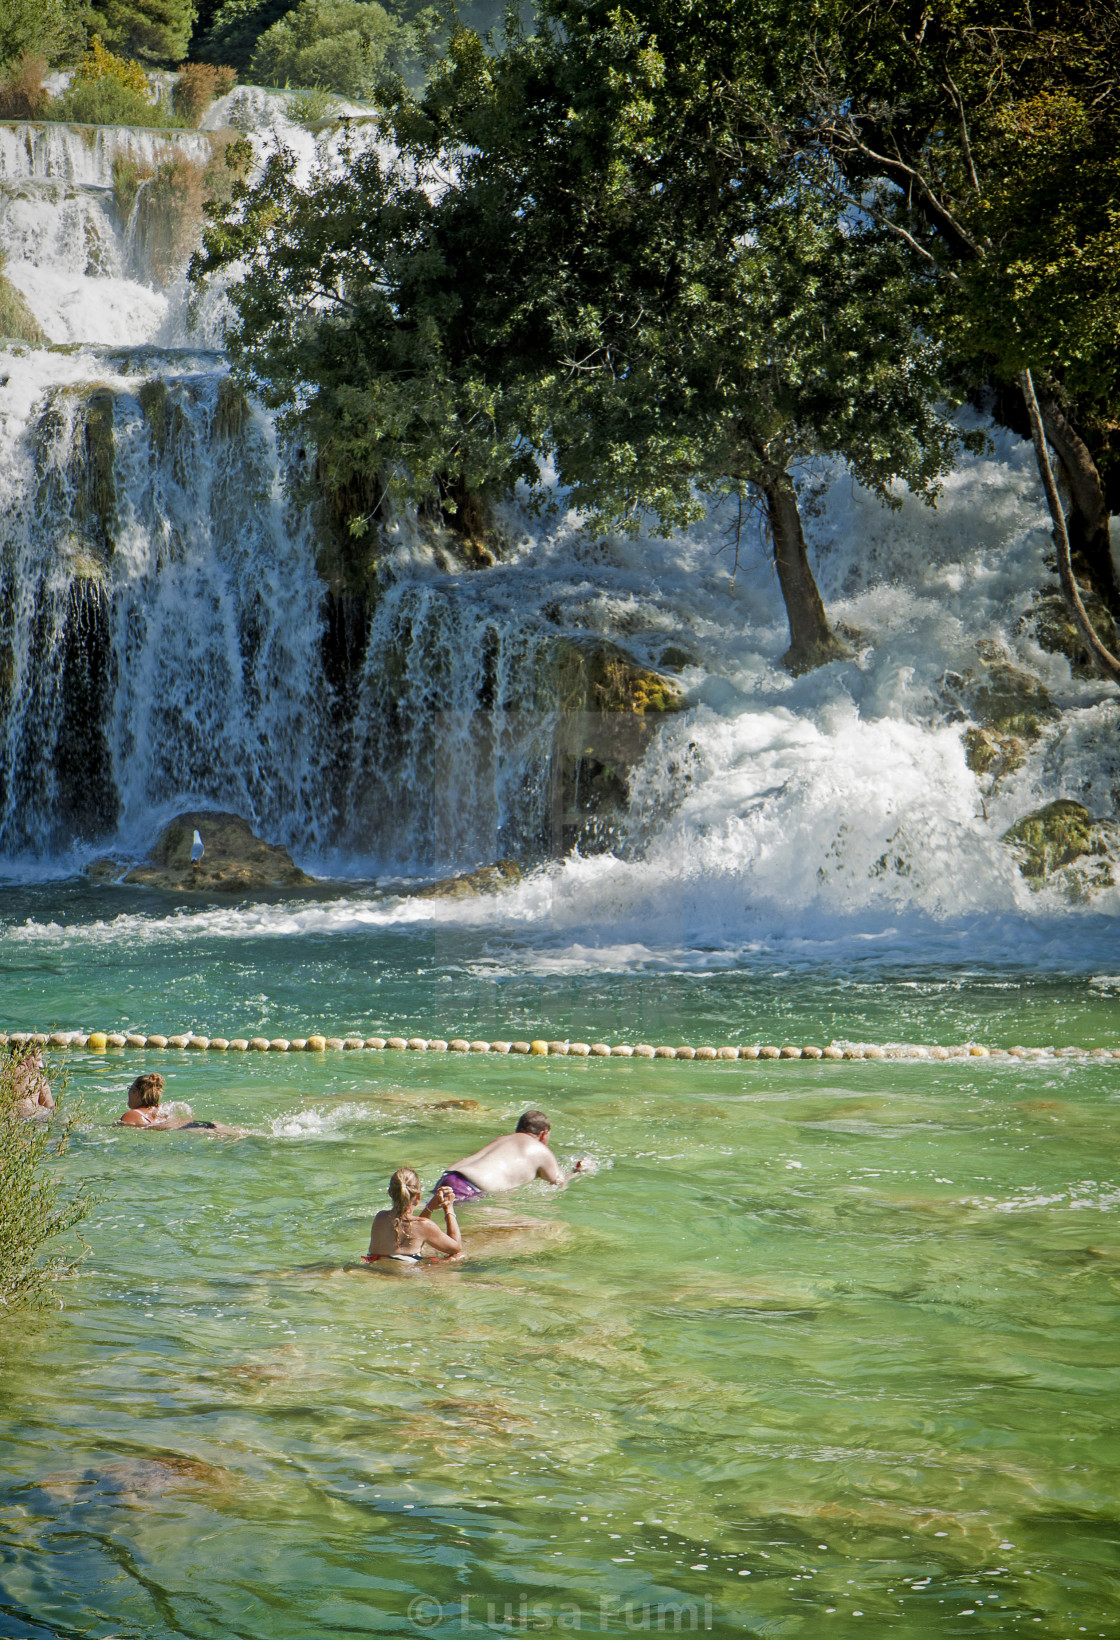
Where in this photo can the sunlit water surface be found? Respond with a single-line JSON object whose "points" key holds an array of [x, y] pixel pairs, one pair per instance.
{"points": [[818, 1349]]}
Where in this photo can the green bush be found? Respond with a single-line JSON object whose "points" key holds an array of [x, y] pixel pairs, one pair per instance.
{"points": [[31, 1213], [105, 102], [334, 45], [54, 29]]}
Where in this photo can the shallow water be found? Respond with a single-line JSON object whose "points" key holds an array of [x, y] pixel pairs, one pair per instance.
{"points": [[819, 1348]]}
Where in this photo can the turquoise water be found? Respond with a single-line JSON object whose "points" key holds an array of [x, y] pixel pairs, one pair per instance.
{"points": [[818, 1349]]}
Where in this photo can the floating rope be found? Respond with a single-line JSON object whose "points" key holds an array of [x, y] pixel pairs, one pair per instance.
{"points": [[101, 1041]]}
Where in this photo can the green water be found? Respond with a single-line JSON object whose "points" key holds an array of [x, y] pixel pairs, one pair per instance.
{"points": [[819, 1349], [874, 1390]]}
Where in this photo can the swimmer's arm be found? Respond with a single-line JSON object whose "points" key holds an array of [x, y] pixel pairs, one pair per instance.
{"points": [[452, 1241], [550, 1169]]}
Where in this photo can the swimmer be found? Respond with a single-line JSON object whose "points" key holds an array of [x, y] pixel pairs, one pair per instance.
{"points": [[504, 1163], [143, 1103], [30, 1086], [401, 1235], [143, 1110]]}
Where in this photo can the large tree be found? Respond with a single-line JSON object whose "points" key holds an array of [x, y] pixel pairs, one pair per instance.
{"points": [[986, 135], [155, 31], [594, 246]]}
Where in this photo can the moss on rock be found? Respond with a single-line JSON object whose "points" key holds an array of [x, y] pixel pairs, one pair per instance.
{"points": [[16, 318], [1052, 623], [486, 880], [610, 710], [1051, 839]]}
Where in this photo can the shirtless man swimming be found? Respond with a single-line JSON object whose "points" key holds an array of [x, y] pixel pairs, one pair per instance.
{"points": [[505, 1163]]}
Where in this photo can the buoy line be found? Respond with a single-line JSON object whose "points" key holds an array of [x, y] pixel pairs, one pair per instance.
{"points": [[101, 1041]]}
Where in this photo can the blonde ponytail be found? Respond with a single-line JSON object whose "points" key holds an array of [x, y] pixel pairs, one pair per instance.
{"points": [[404, 1184]]}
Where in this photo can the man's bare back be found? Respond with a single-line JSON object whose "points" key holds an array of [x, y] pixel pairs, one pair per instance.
{"points": [[505, 1163]]}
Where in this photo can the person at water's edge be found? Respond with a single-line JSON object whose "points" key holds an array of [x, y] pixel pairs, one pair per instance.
{"points": [[505, 1163]]}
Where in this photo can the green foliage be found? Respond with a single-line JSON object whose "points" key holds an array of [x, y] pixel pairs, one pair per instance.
{"points": [[105, 102], [337, 45], [54, 29], [156, 31], [237, 26], [229, 33], [987, 132], [626, 275], [32, 1215], [107, 90]]}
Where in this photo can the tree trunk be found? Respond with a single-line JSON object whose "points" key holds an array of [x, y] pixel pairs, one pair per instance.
{"points": [[812, 640], [1087, 521], [1106, 661]]}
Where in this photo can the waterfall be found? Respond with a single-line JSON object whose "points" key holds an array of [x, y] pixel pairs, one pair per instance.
{"points": [[168, 641]]}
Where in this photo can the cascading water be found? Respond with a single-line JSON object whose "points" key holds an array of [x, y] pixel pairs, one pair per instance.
{"points": [[166, 640]]}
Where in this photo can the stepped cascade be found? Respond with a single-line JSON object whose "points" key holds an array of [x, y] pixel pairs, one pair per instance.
{"points": [[168, 638]]}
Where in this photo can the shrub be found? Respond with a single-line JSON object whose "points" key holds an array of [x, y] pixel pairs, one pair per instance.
{"points": [[198, 85], [334, 45], [23, 95], [99, 63], [107, 90], [310, 107], [31, 1213], [105, 102], [169, 199]]}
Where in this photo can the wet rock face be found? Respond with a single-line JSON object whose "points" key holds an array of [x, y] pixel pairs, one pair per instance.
{"points": [[1051, 622], [611, 708], [1063, 841], [486, 880], [1009, 709], [236, 861]]}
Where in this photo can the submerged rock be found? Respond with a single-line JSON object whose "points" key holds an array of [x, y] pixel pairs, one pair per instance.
{"points": [[486, 880], [1051, 841], [236, 861]]}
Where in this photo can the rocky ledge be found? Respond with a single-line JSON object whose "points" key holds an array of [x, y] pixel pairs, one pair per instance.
{"points": [[235, 861], [1063, 842]]}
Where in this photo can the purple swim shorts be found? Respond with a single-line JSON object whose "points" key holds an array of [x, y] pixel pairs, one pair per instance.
{"points": [[462, 1189]]}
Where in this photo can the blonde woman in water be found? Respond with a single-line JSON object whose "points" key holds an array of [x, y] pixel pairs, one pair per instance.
{"points": [[402, 1234]]}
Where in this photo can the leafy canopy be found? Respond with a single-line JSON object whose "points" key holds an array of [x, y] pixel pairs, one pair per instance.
{"points": [[986, 133], [336, 45], [592, 246]]}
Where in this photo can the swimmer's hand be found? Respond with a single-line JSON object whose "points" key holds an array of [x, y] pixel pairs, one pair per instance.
{"points": [[585, 1164], [445, 1198]]}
